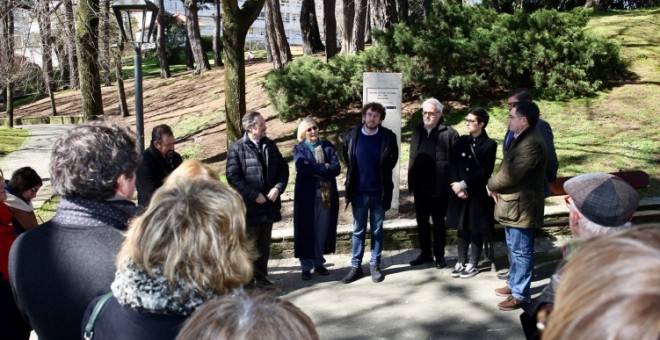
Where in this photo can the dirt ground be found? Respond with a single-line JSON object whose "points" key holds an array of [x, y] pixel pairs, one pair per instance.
{"points": [[167, 101]]}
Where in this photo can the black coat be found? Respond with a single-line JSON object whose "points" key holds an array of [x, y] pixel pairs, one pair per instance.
{"points": [[308, 175], [151, 173], [117, 322], [444, 171], [475, 213], [389, 156], [245, 173], [57, 268]]}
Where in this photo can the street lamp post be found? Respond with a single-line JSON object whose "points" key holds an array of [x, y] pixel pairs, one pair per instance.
{"points": [[124, 10]]}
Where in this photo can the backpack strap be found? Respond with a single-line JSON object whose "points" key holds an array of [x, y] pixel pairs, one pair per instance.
{"points": [[89, 327]]}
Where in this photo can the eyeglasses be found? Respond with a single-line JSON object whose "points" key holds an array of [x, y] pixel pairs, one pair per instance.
{"points": [[34, 190], [429, 113], [313, 128], [511, 104], [471, 121], [510, 117]]}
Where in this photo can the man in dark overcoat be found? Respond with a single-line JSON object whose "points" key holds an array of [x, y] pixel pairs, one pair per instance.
{"points": [[430, 171]]}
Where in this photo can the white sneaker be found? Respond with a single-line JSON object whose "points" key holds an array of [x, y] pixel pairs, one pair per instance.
{"points": [[458, 268], [470, 271]]}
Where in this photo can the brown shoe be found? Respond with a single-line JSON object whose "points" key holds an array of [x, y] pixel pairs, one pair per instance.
{"points": [[504, 291], [510, 303]]}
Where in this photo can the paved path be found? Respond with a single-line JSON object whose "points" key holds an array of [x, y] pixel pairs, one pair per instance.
{"points": [[411, 303], [35, 153]]}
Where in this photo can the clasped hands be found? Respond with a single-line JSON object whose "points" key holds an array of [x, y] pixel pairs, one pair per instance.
{"points": [[272, 196], [458, 190]]}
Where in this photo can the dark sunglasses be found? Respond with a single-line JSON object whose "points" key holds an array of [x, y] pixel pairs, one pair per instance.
{"points": [[313, 128]]}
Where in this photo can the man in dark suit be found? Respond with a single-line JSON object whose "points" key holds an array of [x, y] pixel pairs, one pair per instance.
{"points": [[517, 189], [158, 161]]}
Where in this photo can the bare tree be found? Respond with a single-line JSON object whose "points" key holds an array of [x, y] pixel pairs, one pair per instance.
{"points": [[7, 58], [359, 27], [275, 36], [383, 14], [195, 38], [236, 22], [348, 14], [43, 13], [161, 41], [330, 22], [217, 36], [87, 27], [310, 28], [402, 9], [121, 93], [71, 47], [105, 59]]}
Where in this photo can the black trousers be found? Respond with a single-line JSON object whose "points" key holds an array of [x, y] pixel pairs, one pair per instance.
{"points": [[426, 205], [260, 235], [476, 243]]}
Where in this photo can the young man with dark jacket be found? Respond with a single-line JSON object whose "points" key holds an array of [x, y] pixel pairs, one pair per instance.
{"points": [[370, 151]]}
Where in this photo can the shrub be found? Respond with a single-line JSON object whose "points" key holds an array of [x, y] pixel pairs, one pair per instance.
{"points": [[465, 51], [460, 53], [307, 86]]}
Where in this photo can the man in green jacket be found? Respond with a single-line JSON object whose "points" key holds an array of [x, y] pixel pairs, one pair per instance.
{"points": [[518, 191]]}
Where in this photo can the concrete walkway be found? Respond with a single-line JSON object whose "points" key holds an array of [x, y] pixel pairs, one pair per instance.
{"points": [[35, 153], [411, 303]]}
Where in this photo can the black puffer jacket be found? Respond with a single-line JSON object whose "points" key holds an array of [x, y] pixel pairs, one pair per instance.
{"points": [[245, 173]]}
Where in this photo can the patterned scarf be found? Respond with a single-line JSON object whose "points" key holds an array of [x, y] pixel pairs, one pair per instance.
{"points": [[134, 288], [80, 211]]}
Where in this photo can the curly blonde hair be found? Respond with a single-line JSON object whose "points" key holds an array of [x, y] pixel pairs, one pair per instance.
{"points": [[194, 229]]}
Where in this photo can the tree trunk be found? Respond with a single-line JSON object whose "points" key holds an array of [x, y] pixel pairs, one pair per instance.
{"points": [[189, 55], [359, 29], [309, 28], [367, 29], [161, 42], [383, 14], [87, 27], [275, 37], [217, 36], [105, 44], [348, 11], [121, 93], [236, 22], [195, 38], [71, 50], [269, 53], [43, 18], [330, 28], [426, 7], [7, 45], [9, 104], [403, 8]]}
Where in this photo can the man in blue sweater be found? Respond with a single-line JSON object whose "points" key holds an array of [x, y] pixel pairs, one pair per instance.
{"points": [[370, 151]]}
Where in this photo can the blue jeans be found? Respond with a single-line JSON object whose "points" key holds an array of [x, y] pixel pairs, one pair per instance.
{"points": [[371, 206], [521, 246]]}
